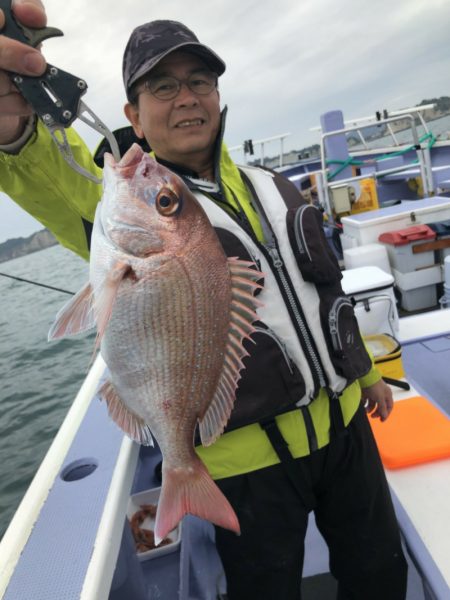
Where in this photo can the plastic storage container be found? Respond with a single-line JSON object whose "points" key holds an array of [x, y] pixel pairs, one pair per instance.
{"points": [[134, 505], [418, 288], [374, 255], [372, 292], [365, 228], [404, 245], [442, 230], [387, 354]]}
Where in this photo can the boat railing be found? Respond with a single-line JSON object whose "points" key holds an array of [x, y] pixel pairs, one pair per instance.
{"points": [[362, 123], [248, 147], [423, 162]]}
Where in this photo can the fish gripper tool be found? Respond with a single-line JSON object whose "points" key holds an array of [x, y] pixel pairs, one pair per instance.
{"points": [[55, 96]]}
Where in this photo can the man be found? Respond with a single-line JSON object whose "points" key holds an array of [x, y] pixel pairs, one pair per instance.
{"points": [[298, 439]]}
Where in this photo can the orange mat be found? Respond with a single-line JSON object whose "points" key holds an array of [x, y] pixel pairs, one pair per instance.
{"points": [[416, 432]]}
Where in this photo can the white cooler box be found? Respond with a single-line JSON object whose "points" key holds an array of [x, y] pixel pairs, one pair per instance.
{"points": [[403, 247], [372, 291], [418, 288], [364, 228]]}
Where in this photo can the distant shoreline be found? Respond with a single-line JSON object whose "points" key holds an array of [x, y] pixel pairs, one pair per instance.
{"points": [[17, 247]]}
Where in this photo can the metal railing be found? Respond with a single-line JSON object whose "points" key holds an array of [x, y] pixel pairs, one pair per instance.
{"points": [[423, 158], [261, 143], [376, 120]]}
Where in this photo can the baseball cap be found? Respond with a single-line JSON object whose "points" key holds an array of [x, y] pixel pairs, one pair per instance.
{"points": [[151, 42]]}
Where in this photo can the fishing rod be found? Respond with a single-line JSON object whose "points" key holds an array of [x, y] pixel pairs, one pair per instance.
{"points": [[44, 285]]}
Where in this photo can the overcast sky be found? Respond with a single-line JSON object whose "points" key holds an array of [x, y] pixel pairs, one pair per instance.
{"points": [[288, 61]]}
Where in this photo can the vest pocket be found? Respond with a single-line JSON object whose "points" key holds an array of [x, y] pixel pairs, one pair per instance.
{"points": [[271, 382], [232, 246], [314, 256], [348, 353]]}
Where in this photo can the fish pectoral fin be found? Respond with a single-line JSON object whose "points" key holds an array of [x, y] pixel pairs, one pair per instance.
{"points": [[134, 426], [242, 316], [76, 316], [106, 296]]}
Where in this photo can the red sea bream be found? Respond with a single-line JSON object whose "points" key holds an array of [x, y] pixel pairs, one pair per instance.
{"points": [[171, 312]]}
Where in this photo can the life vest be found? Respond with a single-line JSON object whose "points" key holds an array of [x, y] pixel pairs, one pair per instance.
{"points": [[307, 337]]}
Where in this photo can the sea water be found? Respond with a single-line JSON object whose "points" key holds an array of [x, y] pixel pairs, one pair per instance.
{"points": [[38, 379]]}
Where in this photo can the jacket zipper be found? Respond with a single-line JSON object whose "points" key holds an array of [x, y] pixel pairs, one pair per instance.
{"points": [[271, 252], [299, 320]]}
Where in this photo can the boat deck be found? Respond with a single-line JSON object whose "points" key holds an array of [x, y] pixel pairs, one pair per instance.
{"points": [[421, 492], [73, 542]]}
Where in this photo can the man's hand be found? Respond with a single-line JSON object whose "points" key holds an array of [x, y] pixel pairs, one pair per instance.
{"points": [[377, 400], [19, 58]]}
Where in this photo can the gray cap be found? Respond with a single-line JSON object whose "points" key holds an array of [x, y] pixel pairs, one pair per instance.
{"points": [[151, 42]]}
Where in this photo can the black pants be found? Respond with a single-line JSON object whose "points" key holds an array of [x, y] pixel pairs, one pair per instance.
{"points": [[353, 511]]}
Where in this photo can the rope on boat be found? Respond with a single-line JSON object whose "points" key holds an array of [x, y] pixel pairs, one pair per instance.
{"points": [[50, 287], [351, 161]]}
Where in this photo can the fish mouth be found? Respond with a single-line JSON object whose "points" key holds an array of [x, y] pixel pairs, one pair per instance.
{"points": [[190, 123]]}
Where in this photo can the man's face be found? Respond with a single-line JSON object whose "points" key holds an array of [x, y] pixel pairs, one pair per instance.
{"points": [[182, 130]]}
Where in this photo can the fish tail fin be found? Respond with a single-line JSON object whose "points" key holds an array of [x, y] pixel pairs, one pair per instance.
{"points": [[192, 493]]}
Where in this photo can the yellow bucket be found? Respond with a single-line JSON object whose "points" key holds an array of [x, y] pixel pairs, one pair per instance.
{"points": [[387, 353]]}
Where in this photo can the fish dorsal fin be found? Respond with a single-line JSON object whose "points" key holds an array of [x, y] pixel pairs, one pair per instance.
{"points": [[129, 422], [242, 316], [75, 316]]}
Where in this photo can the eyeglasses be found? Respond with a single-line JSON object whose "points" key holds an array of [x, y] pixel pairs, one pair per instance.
{"points": [[168, 88]]}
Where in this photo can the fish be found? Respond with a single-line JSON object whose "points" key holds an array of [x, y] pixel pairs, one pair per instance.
{"points": [[171, 312]]}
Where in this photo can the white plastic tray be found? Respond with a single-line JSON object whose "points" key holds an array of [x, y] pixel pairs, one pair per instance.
{"points": [[151, 497]]}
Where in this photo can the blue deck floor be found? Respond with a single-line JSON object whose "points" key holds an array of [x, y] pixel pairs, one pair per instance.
{"points": [[427, 364]]}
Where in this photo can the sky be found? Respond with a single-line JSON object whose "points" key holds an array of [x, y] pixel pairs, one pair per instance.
{"points": [[288, 61]]}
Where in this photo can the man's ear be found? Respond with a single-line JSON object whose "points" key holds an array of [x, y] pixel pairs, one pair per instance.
{"points": [[132, 114]]}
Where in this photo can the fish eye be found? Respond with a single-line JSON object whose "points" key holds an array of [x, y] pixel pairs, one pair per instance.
{"points": [[168, 203]]}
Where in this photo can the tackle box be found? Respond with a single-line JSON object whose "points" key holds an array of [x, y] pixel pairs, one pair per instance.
{"points": [[405, 248], [418, 289], [415, 265]]}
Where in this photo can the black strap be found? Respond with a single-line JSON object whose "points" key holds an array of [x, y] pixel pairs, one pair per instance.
{"points": [[404, 385], [310, 431], [294, 470], [336, 417]]}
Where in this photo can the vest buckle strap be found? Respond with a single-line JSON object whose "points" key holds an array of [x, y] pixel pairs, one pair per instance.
{"points": [[337, 425], [295, 469]]}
